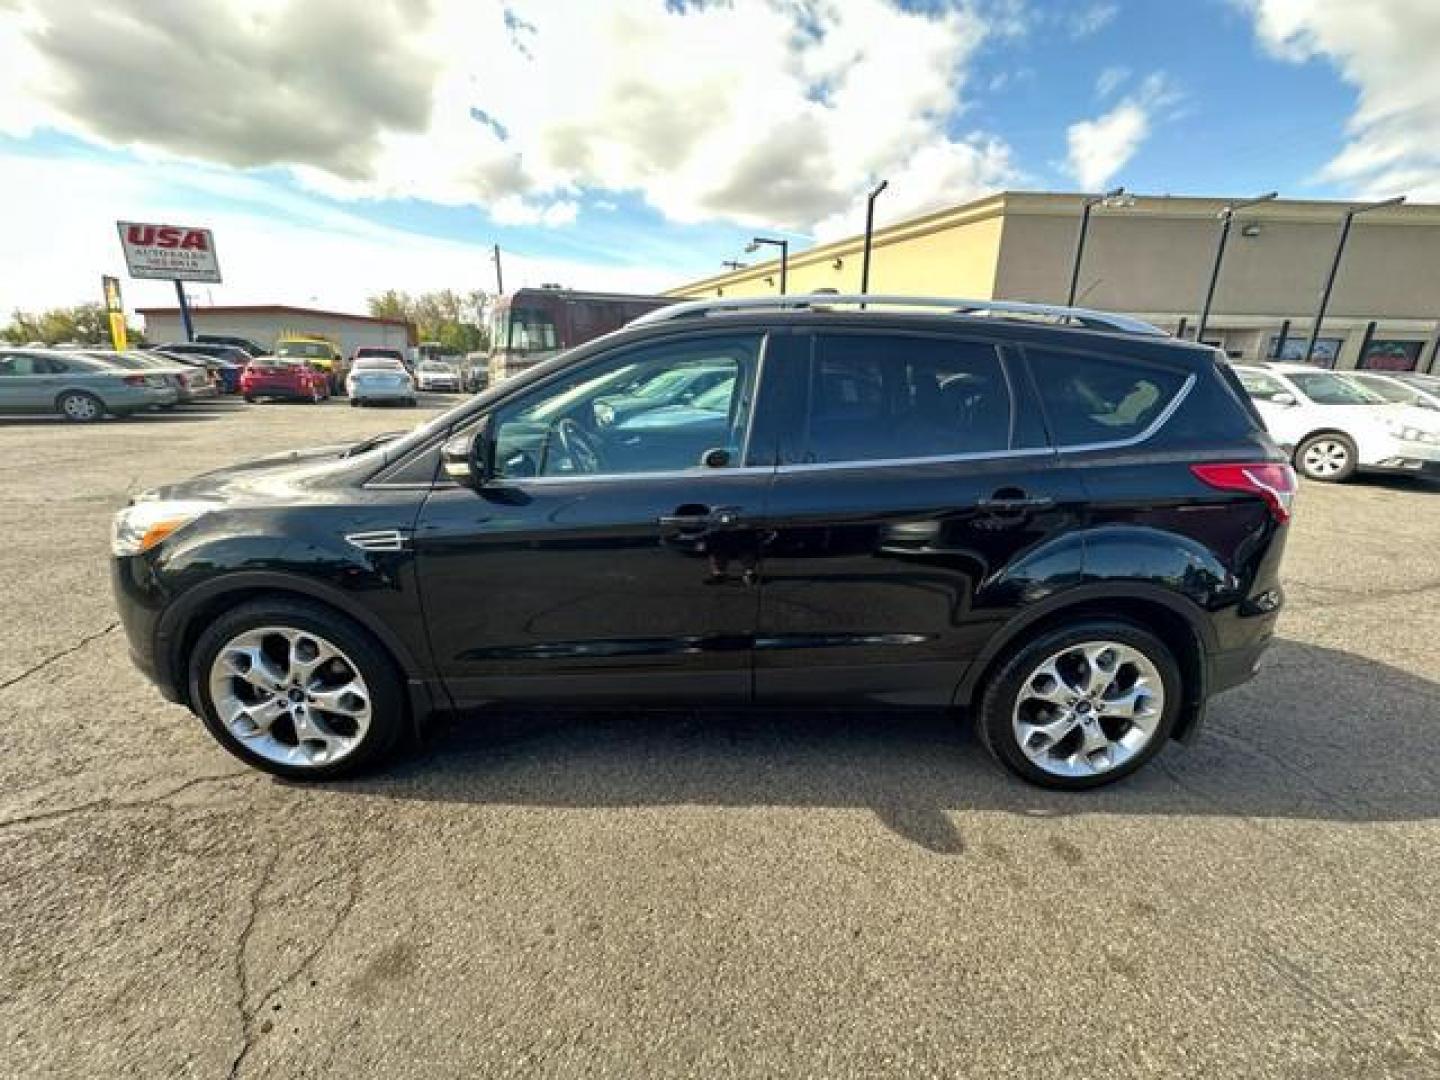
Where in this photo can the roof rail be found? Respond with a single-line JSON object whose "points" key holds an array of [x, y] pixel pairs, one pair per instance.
{"points": [[1094, 320]]}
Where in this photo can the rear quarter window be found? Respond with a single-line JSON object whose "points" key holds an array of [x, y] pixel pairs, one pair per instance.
{"points": [[1100, 399]]}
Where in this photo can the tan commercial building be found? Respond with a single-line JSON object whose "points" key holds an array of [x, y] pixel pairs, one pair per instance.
{"points": [[264, 323], [1152, 259]]}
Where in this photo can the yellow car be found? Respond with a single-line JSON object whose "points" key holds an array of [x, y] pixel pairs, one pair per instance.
{"points": [[317, 352]]}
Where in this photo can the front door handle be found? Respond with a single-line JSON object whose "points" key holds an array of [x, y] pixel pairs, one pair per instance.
{"points": [[701, 517]]}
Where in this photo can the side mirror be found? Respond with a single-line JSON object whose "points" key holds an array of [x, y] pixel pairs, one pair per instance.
{"points": [[469, 459], [1284, 397]]}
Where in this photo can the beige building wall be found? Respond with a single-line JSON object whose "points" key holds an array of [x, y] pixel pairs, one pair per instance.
{"points": [[1151, 259], [951, 253]]}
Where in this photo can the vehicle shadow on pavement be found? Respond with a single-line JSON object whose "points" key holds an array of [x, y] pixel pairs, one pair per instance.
{"points": [[183, 415], [1319, 735]]}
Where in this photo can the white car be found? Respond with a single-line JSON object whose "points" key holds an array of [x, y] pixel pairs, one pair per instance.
{"points": [[1335, 427], [437, 375], [1402, 387], [379, 379]]}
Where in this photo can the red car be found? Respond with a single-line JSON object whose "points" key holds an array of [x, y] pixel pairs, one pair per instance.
{"points": [[273, 376]]}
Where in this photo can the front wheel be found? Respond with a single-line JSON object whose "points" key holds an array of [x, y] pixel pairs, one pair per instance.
{"points": [[296, 689], [1328, 457], [1082, 705]]}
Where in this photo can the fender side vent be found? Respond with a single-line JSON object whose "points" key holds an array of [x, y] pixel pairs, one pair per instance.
{"points": [[379, 540]]}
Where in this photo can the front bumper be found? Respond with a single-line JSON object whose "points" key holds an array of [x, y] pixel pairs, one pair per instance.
{"points": [[137, 600], [452, 384]]}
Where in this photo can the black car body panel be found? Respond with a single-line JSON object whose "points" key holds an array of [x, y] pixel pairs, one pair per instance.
{"points": [[775, 580]]}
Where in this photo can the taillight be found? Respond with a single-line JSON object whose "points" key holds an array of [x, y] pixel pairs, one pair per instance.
{"points": [[133, 380], [1272, 481]]}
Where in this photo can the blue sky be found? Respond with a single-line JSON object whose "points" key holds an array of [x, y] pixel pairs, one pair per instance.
{"points": [[635, 144]]}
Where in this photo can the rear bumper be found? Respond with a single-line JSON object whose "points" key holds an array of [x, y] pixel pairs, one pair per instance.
{"points": [[139, 398], [375, 393]]}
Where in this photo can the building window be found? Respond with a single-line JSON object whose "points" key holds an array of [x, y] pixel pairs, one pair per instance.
{"points": [[1327, 350], [1390, 355]]}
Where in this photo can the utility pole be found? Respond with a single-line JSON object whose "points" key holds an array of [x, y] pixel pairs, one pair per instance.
{"points": [[869, 229], [1335, 267], [1226, 215], [499, 275], [1113, 197]]}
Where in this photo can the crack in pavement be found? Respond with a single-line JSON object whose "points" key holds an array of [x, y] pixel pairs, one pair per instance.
{"points": [[241, 967], [153, 800], [42, 664], [342, 914]]}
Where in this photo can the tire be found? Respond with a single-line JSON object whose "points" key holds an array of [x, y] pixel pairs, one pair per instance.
{"points": [[1012, 698], [250, 399], [79, 407], [1328, 457], [348, 738], [354, 404]]}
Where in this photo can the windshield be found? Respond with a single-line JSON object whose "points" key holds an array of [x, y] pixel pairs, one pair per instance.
{"points": [[317, 349], [1325, 388], [532, 330]]}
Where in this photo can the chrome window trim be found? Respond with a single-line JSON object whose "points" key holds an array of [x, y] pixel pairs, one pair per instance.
{"points": [[1135, 440]]}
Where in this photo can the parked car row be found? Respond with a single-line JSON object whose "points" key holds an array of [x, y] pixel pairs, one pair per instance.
{"points": [[1338, 424]]}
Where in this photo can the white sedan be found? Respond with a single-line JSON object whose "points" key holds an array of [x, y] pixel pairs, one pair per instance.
{"points": [[437, 375], [1335, 427], [379, 379]]}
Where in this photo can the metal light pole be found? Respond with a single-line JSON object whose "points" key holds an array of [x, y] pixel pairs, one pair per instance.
{"points": [[499, 276], [732, 264], [1335, 267], [783, 245], [1226, 215], [1113, 197], [869, 231]]}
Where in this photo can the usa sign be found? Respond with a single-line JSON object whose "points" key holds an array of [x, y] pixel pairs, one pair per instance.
{"points": [[172, 252]]}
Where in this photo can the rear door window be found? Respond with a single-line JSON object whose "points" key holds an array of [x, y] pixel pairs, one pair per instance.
{"points": [[1091, 399], [892, 396]]}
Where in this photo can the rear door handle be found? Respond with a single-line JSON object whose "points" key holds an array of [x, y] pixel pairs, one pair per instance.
{"points": [[1015, 502]]}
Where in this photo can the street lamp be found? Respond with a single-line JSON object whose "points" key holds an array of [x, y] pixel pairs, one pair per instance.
{"points": [[1226, 215], [499, 273], [732, 264], [783, 245], [869, 230], [1113, 197], [1335, 266]]}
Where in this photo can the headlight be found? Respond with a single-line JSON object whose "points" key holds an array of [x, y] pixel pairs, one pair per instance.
{"points": [[140, 527]]}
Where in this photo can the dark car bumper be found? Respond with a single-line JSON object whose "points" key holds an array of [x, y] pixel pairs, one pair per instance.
{"points": [[138, 601]]}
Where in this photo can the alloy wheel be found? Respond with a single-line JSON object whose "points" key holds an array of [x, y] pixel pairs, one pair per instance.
{"points": [[290, 696], [1088, 709], [1326, 458], [80, 407]]}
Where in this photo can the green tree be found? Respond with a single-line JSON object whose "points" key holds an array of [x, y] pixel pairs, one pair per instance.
{"points": [[86, 324], [455, 319]]}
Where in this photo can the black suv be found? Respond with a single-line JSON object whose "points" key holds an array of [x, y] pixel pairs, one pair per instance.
{"points": [[1065, 521]]}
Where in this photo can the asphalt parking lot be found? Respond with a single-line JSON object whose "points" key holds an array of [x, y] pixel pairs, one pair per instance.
{"points": [[678, 895]]}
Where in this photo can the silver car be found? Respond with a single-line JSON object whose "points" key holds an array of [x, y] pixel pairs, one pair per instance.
{"points": [[193, 383], [77, 386], [379, 379]]}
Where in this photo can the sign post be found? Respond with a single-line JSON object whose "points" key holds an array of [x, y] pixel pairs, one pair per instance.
{"points": [[170, 253], [115, 312]]}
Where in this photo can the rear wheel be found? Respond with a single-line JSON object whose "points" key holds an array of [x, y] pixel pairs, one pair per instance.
{"points": [[296, 689], [1082, 705], [80, 407], [1328, 457]]}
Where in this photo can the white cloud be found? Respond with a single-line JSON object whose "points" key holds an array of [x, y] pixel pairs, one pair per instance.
{"points": [[1091, 19], [1099, 148], [764, 112], [1386, 50], [273, 245], [1110, 79]]}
